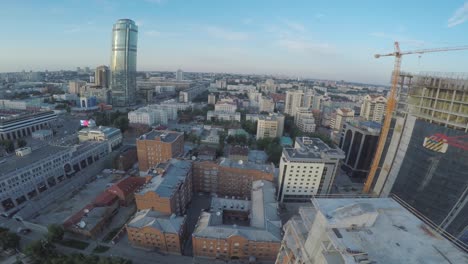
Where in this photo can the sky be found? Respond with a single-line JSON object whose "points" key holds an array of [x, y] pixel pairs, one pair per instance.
{"points": [[310, 39]]}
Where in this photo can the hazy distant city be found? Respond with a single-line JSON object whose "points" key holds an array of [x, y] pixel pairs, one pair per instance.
{"points": [[107, 163]]}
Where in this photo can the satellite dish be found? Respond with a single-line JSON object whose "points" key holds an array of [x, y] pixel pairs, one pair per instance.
{"points": [[194, 158], [241, 162], [86, 211], [82, 224], [218, 213]]}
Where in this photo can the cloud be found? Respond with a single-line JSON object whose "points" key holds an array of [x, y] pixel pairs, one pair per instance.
{"points": [[226, 34], [459, 17], [296, 26], [400, 39]]}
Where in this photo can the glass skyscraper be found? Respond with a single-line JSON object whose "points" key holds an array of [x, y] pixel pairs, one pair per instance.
{"points": [[123, 62]]}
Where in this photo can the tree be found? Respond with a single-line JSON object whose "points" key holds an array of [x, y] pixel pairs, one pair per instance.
{"points": [[21, 143], [8, 145], [121, 122], [250, 127], [9, 240], [40, 251], [55, 232]]}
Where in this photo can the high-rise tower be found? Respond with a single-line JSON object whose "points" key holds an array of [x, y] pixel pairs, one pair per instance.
{"points": [[123, 62]]}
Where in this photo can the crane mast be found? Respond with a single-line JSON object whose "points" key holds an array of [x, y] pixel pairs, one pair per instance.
{"points": [[391, 103]]}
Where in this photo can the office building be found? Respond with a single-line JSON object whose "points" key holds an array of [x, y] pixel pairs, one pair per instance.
{"points": [[307, 169], [223, 116], [15, 126], [102, 76], [102, 95], [112, 135], [240, 229], [373, 107], [156, 231], [124, 62], [170, 189], [429, 172], [33, 172], [342, 115], [305, 120], [179, 75], [294, 99], [228, 177], [359, 142], [148, 116], [74, 87], [155, 147], [363, 230], [270, 126]]}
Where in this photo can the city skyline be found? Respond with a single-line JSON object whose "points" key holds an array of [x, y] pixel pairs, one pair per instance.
{"points": [[310, 40]]}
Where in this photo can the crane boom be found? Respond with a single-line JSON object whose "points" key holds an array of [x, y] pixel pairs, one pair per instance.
{"points": [[391, 103]]}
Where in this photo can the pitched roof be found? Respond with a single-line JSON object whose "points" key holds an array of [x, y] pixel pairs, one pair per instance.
{"points": [[128, 185]]}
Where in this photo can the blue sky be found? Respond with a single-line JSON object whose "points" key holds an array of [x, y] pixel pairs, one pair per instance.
{"points": [[318, 39]]}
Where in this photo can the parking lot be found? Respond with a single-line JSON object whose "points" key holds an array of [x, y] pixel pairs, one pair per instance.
{"points": [[61, 209]]}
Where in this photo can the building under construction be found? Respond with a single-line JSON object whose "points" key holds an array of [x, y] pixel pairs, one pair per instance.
{"points": [[426, 154]]}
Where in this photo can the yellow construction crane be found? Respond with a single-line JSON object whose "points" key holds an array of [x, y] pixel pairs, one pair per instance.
{"points": [[391, 102]]}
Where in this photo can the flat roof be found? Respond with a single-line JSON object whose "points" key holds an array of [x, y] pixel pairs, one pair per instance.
{"points": [[13, 162], [312, 148], [265, 224], [165, 135], [268, 168], [385, 231], [164, 185]]}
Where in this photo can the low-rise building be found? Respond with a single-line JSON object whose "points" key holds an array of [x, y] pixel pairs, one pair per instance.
{"points": [[154, 230], [21, 125], [237, 153], [223, 116], [170, 189], [112, 135], [240, 229], [307, 169], [148, 116], [305, 120], [270, 126], [25, 177], [226, 107], [158, 146], [228, 177], [126, 159], [363, 230]]}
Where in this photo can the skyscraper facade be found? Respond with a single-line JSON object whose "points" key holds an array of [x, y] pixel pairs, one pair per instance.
{"points": [[101, 76], [123, 62]]}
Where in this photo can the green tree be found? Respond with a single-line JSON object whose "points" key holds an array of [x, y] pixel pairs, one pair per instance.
{"points": [[40, 251], [8, 145], [21, 143], [122, 123], [9, 240], [55, 232]]}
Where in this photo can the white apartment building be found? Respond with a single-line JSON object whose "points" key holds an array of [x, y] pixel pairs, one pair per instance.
{"points": [[341, 116], [13, 104], [307, 169], [225, 107], [223, 116], [304, 120], [363, 230], [270, 126], [211, 99], [266, 105], [294, 99], [373, 107], [252, 117], [148, 116]]}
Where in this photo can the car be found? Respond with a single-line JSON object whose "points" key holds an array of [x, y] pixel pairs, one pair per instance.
{"points": [[24, 231]]}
